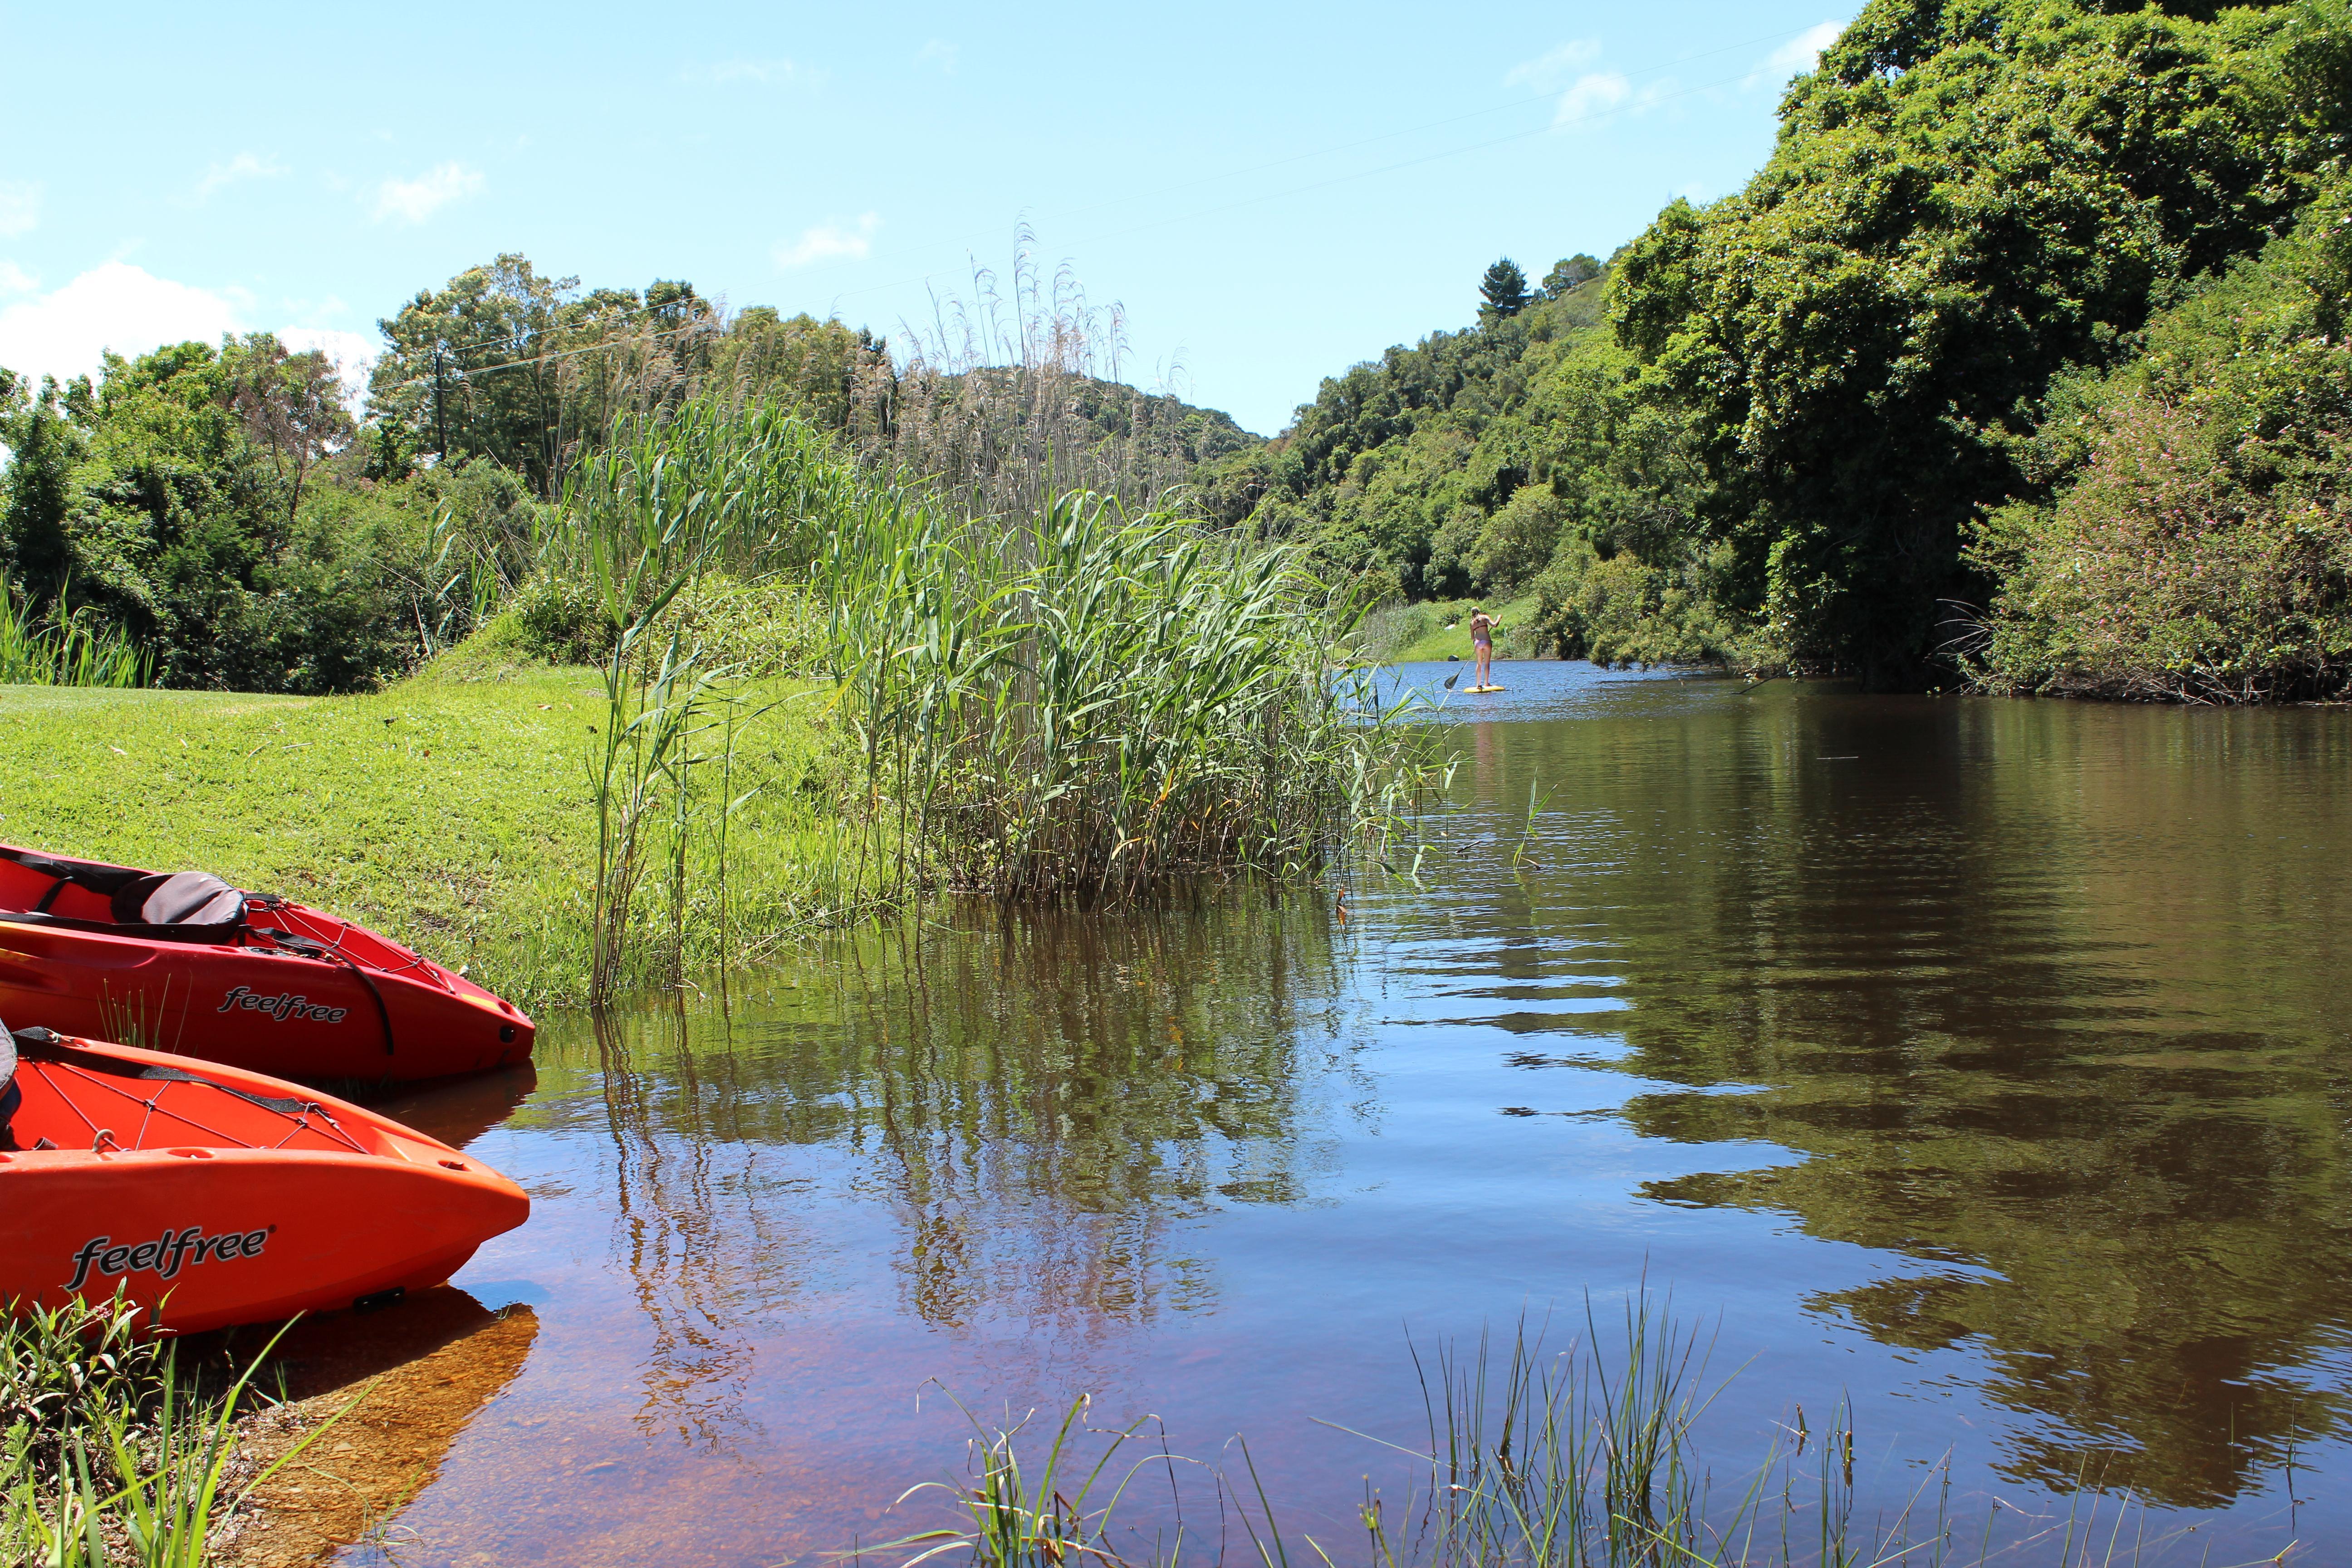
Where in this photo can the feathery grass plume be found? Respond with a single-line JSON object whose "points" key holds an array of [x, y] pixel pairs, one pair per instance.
{"points": [[1012, 396]]}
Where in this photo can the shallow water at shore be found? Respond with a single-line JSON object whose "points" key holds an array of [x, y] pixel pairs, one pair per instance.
{"points": [[1983, 1061]]}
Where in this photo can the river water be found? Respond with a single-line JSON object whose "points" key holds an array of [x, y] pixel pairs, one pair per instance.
{"points": [[1982, 1063]]}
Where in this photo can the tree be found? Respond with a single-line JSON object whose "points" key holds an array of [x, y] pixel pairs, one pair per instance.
{"points": [[1503, 291], [43, 446], [1965, 200], [292, 403], [1574, 272], [504, 364]]}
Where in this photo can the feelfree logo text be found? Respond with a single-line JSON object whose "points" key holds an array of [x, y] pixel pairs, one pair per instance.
{"points": [[166, 1254], [281, 1007]]}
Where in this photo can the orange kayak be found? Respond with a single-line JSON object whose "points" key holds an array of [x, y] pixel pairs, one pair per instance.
{"points": [[214, 1196], [184, 962]]}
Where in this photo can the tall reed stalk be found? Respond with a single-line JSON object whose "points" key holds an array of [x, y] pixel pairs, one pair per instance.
{"points": [[70, 648]]}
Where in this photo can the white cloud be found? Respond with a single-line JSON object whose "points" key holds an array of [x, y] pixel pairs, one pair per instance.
{"points": [[1583, 94], [1594, 93], [354, 353], [243, 166], [14, 280], [123, 308], [414, 201], [20, 207], [829, 241], [762, 71], [1801, 53], [116, 306], [940, 53], [1547, 72]]}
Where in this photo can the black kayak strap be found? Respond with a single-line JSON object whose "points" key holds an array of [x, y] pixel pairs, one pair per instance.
{"points": [[43, 1045], [293, 943]]}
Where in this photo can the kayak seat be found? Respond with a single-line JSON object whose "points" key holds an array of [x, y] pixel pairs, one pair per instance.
{"points": [[179, 899]]}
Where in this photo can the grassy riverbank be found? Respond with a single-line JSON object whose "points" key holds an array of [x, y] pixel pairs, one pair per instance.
{"points": [[1439, 629], [453, 811]]}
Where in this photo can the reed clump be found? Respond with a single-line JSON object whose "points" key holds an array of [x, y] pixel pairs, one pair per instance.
{"points": [[69, 647], [1073, 699], [1084, 701]]}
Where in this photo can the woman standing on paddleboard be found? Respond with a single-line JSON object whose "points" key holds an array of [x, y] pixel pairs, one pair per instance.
{"points": [[1482, 641]]}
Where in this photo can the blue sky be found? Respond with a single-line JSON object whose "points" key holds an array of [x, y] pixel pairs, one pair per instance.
{"points": [[1270, 192]]}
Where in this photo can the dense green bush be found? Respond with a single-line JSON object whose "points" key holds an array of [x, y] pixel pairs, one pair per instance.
{"points": [[1968, 199], [2200, 547]]}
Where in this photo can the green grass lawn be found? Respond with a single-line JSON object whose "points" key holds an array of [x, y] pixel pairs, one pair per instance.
{"points": [[453, 811]]}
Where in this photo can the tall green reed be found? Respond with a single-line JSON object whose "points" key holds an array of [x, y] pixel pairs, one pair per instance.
{"points": [[1074, 700], [666, 501], [111, 1456], [71, 647], [1086, 701]]}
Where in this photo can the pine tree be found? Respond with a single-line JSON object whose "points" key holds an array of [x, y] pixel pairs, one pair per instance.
{"points": [[1504, 290]]}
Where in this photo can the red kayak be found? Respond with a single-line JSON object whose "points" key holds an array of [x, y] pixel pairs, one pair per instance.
{"points": [[212, 1196], [184, 962]]}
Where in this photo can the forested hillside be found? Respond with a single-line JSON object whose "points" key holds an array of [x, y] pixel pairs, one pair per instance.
{"points": [[2003, 366]]}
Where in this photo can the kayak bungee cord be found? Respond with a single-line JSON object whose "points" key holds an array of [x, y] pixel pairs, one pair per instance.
{"points": [[298, 1112], [294, 924]]}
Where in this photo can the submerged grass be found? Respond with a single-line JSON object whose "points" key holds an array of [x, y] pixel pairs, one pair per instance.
{"points": [[1585, 1456]]}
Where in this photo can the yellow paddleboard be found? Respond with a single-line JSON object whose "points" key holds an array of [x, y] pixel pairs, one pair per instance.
{"points": [[1482, 689]]}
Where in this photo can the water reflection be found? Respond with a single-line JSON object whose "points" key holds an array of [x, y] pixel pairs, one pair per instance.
{"points": [[2039, 997], [1043, 1104], [399, 1386]]}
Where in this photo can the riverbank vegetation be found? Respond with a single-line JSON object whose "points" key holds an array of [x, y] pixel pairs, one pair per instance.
{"points": [[1075, 699], [118, 1449]]}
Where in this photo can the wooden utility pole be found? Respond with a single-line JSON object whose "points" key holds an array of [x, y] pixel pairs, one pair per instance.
{"points": [[440, 416]]}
